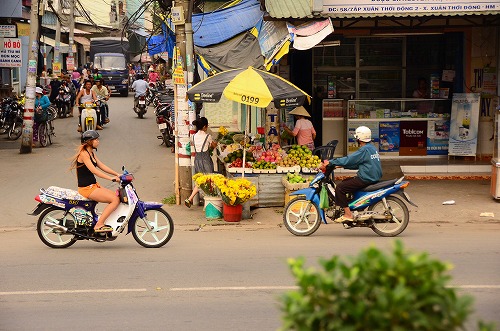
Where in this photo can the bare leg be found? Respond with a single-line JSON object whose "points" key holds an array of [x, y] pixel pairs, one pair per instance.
{"points": [[348, 213], [195, 191], [107, 196]]}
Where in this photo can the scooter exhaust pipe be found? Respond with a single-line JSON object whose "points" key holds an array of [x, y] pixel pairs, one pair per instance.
{"points": [[56, 226]]}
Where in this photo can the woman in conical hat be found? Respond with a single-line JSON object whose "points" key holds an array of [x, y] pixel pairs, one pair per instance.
{"points": [[304, 129]]}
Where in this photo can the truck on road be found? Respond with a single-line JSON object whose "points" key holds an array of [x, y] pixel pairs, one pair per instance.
{"points": [[110, 55]]}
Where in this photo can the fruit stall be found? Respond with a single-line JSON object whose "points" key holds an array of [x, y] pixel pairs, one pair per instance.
{"points": [[275, 171]]}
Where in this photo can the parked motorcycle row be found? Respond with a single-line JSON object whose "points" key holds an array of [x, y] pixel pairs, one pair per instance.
{"points": [[161, 98], [11, 117]]}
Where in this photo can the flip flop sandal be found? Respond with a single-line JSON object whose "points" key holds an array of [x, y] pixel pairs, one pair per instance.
{"points": [[188, 203], [104, 228], [343, 219]]}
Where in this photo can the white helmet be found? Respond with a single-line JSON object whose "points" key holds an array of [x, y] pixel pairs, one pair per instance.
{"points": [[363, 134]]}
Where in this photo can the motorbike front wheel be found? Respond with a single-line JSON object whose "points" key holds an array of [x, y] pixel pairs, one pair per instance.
{"points": [[301, 217], [16, 130], [53, 237], [162, 229], [400, 217]]}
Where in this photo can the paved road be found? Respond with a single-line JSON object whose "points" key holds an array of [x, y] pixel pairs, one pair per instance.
{"points": [[217, 279]]}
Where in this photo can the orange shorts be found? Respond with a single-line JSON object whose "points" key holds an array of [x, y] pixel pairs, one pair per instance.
{"points": [[86, 191]]}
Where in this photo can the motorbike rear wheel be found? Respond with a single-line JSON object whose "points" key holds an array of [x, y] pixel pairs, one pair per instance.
{"points": [[163, 229], [43, 137], [53, 237], [301, 217], [399, 221]]}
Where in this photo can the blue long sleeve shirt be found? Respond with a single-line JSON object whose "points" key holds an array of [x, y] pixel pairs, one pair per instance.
{"points": [[366, 160], [42, 101]]}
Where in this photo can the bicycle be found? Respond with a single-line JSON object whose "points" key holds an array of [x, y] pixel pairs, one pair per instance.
{"points": [[46, 129]]}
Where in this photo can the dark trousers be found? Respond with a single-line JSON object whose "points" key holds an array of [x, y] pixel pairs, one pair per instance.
{"points": [[349, 185]]}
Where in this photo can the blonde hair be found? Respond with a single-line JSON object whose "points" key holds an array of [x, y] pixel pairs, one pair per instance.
{"points": [[74, 158]]}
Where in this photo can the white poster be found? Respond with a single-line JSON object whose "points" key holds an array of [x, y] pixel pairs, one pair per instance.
{"points": [[464, 124], [10, 53]]}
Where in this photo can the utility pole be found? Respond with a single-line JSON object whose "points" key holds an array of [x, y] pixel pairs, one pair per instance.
{"points": [[185, 115], [29, 108], [72, 33], [57, 45]]}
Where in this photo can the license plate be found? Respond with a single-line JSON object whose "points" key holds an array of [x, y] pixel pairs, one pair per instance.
{"points": [[111, 87], [162, 126], [142, 102]]}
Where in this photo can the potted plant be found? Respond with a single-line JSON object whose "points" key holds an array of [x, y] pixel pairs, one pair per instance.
{"points": [[234, 192], [213, 201]]}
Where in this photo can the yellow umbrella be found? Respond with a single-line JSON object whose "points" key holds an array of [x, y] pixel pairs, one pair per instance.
{"points": [[249, 86]]}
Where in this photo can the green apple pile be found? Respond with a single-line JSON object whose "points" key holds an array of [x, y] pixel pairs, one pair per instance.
{"points": [[302, 156], [295, 178], [264, 165]]}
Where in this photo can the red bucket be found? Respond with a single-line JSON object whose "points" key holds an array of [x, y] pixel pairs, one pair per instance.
{"points": [[232, 213]]}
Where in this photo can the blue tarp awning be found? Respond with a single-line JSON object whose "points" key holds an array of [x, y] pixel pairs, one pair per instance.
{"points": [[221, 25]]}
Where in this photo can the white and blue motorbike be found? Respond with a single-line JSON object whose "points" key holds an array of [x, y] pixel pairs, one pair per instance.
{"points": [[66, 216], [380, 206]]}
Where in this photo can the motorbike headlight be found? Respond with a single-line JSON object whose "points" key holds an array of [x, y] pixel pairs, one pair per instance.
{"points": [[125, 81]]}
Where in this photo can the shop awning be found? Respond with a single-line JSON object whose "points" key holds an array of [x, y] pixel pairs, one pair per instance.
{"points": [[371, 9], [85, 42], [52, 42]]}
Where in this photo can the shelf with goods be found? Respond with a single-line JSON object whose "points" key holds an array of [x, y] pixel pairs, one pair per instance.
{"points": [[401, 127]]}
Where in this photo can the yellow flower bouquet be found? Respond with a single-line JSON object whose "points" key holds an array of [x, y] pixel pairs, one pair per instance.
{"points": [[235, 191], [207, 183]]}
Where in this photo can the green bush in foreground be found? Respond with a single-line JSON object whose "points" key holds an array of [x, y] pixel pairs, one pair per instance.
{"points": [[376, 291]]}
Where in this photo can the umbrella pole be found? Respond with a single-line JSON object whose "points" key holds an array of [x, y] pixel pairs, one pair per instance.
{"points": [[244, 141]]}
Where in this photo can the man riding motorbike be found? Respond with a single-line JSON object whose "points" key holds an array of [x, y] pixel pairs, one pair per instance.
{"points": [[102, 93], [140, 86]]}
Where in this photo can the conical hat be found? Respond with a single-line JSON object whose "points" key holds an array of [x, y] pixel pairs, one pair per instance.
{"points": [[300, 111]]}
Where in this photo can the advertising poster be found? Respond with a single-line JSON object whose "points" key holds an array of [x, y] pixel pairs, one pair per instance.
{"points": [[464, 124], [352, 144], [413, 137], [389, 137], [438, 134]]}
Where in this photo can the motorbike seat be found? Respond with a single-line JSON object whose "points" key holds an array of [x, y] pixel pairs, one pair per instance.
{"points": [[379, 185], [63, 193]]}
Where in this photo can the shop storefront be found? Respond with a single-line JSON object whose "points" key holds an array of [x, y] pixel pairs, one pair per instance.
{"points": [[396, 66]]}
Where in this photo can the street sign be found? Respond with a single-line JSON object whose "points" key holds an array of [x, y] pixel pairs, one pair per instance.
{"points": [[8, 31], [10, 52]]}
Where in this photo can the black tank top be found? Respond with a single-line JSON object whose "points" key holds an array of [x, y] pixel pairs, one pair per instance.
{"points": [[84, 175]]}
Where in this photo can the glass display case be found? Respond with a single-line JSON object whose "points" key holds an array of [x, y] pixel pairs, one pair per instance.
{"points": [[334, 115], [401, 127]]}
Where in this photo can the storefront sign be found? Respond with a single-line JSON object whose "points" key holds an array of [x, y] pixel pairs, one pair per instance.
{"points": [[413, 135], [406, 8], [272, 126], [23, 29], [8, 31], [70, 63], [438, 133], [10, 52], [464, 124], [389, 137], [56, 68]]}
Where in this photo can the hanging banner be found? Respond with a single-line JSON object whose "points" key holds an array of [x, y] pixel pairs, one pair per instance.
{"points": [[56, 68], [464, 124]]}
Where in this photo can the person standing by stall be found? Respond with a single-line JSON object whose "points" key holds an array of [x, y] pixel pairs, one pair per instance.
{"points": [[304, 129], [202, 143], [422, 91]]}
